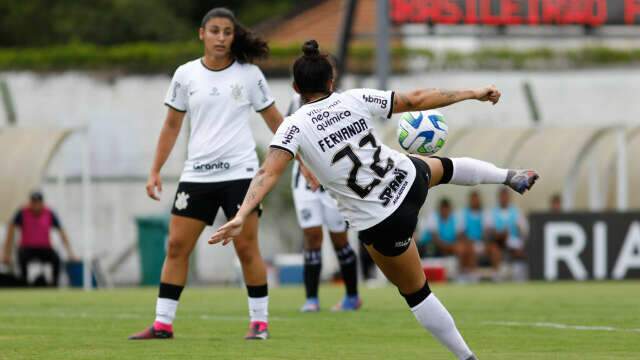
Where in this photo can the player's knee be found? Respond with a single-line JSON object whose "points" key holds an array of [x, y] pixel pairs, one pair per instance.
{"points": [[441, 169], [177, 249], [339, 240], [416, 297], [245, 251], [313, 238]]}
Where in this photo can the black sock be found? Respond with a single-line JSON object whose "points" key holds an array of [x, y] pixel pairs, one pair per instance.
{"points": [[312, 269], [349, 269], [258, 291], [170, 291], [418, 296]]}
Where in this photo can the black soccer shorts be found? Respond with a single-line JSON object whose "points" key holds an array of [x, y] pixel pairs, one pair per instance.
{"points": [[393, 235], [201, 201]]}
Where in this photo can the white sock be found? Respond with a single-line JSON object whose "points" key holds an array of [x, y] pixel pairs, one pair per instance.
{"points": [[468, 171], [166, 310], [433, 316], [259, 309]]}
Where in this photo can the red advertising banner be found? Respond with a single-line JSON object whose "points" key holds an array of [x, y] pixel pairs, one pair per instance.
{"points": [[517, 12]]}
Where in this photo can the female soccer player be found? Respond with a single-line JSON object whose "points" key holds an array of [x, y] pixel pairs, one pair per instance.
{"points": [[378, 190], [217, 91]]}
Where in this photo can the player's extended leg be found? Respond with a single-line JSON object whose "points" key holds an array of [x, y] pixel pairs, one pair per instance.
{"points": [[468, 171], [255, 277], [349, 269], [312, 267], [405, 271], [183, 235]]}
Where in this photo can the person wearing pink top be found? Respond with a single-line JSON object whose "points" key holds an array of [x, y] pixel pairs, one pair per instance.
{"points": [[35, 222]]}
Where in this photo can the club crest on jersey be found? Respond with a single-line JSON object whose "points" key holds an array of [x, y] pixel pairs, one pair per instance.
{"points": [[236, 92], [181, 200], [288, 135], [306, 214], [375, 100], [396, 187], [214, 91]]}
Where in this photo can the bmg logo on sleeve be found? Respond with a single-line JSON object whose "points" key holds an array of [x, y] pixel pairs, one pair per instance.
{"points": [[289, 133], [376, 100]]}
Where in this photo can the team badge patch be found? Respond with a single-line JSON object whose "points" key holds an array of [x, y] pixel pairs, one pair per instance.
{"points": [[306, 214], [236, 92], [181, 201]]}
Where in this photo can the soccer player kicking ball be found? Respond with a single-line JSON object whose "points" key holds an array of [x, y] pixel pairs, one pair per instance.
{"points": [[378, 190]]}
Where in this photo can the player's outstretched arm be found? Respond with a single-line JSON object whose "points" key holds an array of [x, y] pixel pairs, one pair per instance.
{"points": [[425, 99], [266, 178]]}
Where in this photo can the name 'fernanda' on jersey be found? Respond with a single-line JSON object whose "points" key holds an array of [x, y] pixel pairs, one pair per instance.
{"points": [[343, 134]]}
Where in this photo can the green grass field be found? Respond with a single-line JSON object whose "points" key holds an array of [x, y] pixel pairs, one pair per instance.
{"points": [[507, 321]]}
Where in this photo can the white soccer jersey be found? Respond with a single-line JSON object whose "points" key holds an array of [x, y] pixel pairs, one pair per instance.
{"points": [[218, 102], [335, 138], [313, 208]]}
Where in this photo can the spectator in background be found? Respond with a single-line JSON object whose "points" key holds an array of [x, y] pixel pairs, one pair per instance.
{"points": [[35, 222], [555, 205], [441, 233], [507, 229], [473, 234]]}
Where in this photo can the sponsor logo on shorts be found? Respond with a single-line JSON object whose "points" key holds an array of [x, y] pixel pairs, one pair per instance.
{"points": [[375, 100], [394, 190], [250, 169], [220, 165], [403, 243], [181, 201]]}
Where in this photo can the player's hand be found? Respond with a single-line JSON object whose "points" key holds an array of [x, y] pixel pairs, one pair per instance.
{"points": [[154, 182], [227, 232], [312, 180], [488, 93]]}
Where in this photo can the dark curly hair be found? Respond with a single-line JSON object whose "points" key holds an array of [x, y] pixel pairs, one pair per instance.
{"points": [[246, 46], [312, 70]]}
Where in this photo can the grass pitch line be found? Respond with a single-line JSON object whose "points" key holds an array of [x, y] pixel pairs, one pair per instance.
{"points": [[550, 325]]}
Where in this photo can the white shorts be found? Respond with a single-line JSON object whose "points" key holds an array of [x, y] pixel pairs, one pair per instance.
{"points": [[315, 208]]}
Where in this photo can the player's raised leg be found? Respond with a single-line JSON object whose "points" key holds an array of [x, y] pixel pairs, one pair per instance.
{"points": [[405, 271], [183, 234], [255, 277], [469, 171]]}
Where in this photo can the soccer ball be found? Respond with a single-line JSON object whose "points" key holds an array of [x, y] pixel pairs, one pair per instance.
{"points": [[422, 132]]}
